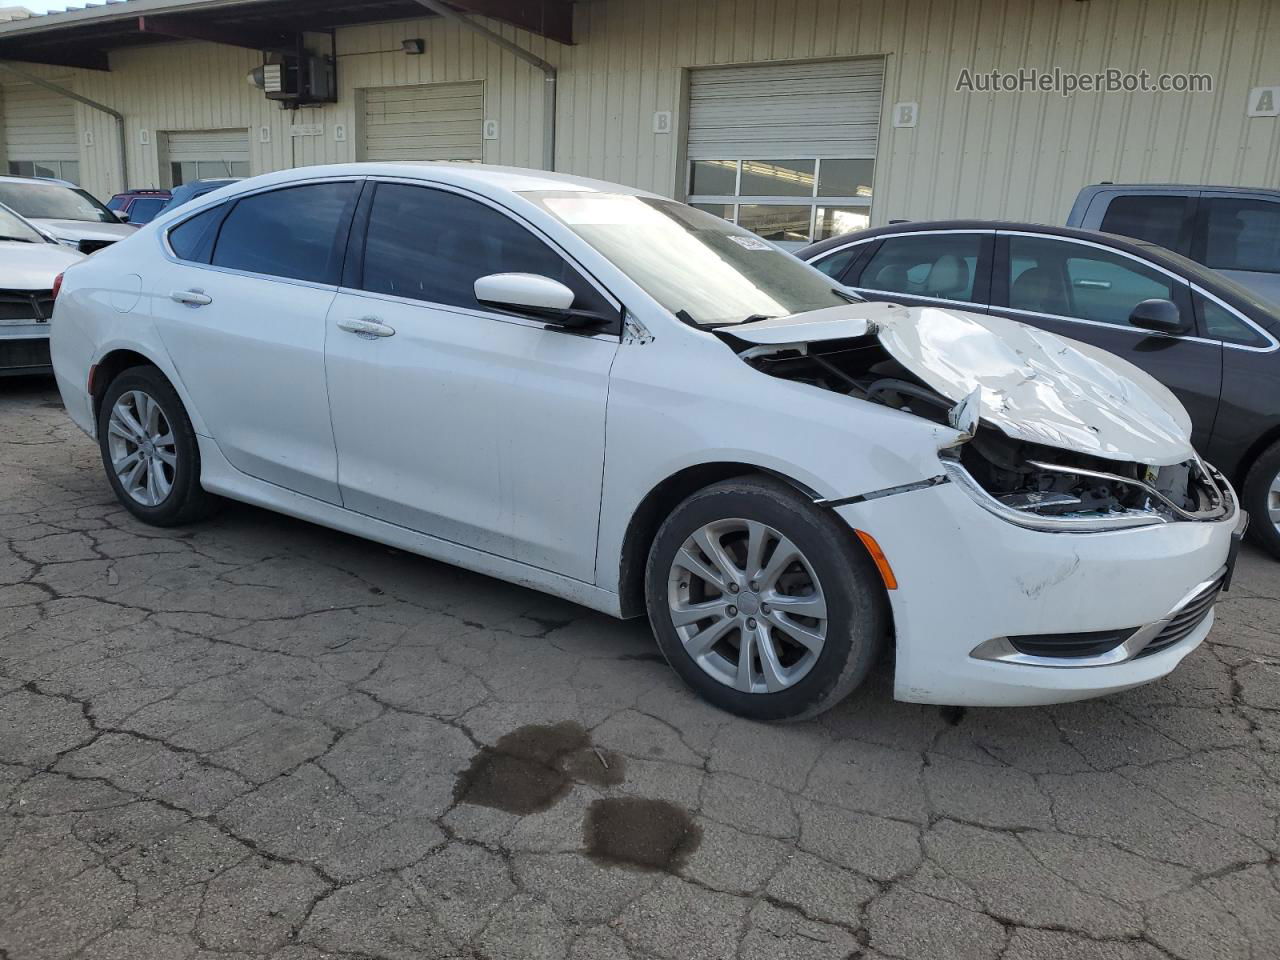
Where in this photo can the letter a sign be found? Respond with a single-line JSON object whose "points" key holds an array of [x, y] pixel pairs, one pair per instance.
{"points": [[1264, 102]]}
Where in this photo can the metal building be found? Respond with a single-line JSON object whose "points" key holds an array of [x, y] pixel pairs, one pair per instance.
{"points": [[796, 117]]}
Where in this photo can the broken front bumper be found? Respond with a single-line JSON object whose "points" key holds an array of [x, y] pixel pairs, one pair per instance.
{"points": [[970, 583]]}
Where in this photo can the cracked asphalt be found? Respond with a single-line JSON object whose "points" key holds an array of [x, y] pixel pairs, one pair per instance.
{"points": [[251, 738]]}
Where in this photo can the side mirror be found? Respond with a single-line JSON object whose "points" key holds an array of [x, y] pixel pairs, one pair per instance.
{"points": [[1160, 316], [533, 296], [123, 216]]}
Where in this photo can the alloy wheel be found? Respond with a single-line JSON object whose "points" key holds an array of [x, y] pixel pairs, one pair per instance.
{"points": [[143, 449], [747, 606], [1273, 502]]}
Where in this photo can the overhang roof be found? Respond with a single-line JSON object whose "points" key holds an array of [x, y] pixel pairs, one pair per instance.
{"points": [[85, 37]]}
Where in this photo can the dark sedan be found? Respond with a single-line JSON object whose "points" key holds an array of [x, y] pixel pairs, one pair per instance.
{"points": [[1211, 341]]}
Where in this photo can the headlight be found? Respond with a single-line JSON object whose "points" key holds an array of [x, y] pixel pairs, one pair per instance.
{"points": [[1025, 516]]}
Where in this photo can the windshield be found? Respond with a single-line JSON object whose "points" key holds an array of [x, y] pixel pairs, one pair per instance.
{"points": [[1213, 280], [51, 201], [692, 261], [13, 227]]}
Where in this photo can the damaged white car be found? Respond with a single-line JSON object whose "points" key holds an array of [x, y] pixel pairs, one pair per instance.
{"points": [[640, 407]]}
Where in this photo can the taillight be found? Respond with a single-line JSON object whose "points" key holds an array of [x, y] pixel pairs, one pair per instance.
{"points": [[57, 285]]}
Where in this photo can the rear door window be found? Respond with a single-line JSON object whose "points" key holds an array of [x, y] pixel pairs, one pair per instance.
{"points": [[939, 266], [287, 233], [1158, 219], [1242, 234]]}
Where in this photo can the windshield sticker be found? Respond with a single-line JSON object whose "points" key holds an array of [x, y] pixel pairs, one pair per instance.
{"points": [[751, 243]]}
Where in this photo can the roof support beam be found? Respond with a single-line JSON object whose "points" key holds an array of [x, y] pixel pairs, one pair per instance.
{"points": [[103, 108], [186, 28], [550, 75], [552, 19], [79, 59]]}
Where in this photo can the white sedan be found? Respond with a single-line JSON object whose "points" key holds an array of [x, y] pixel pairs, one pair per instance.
{"points": [[630, 403]]}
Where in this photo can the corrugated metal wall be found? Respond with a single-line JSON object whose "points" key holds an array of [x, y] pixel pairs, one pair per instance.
{"points": [[1014, 155]]}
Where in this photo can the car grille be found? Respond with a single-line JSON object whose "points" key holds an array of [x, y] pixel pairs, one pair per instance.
{"points": [[1185, 622], [20, 356], [26, 305]]}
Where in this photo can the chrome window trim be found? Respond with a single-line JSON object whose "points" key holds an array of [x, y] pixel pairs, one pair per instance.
{"points": [[1275, 345], [963, 304]]}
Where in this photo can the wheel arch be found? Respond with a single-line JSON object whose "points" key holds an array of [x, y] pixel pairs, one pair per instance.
{"points": [[111, 365], [657, 505]]}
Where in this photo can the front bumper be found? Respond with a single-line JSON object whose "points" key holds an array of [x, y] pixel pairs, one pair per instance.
{"points": [[24, 348], [969, 580]]}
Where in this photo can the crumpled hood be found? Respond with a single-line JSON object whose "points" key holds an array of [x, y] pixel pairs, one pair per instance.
{"points": [[33, 266], [77, 230], [1035, 386]]}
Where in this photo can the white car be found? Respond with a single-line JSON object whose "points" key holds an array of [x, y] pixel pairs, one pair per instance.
{"points": [[30, 262], [635, 405], [64, 211]]}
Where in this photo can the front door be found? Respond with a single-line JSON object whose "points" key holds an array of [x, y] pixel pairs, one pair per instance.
{"points": [[1087, 292], [244, 321], [458, 421]]}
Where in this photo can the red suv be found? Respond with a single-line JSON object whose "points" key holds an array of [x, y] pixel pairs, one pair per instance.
{"points": [[139, 206]]}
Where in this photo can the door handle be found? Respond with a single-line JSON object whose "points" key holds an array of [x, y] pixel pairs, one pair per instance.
{"points": [[368, 327], [192, 298]]}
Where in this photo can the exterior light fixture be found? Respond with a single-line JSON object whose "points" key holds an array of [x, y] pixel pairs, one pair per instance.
{"points": [[414, 47]]}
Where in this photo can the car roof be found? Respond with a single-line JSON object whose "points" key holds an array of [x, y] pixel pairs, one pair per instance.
{"points": [[1128, 244], [1145, 187], [38, 180], [476, 175]]}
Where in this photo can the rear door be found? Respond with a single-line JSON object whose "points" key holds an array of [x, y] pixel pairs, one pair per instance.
{"points": [[1240, 237], [935, 268], [1165, 219], [1086, 291], [241, 305]]}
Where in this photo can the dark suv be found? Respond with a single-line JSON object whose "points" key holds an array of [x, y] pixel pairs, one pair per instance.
{"points": [[1234, 230], [1215, 344]]}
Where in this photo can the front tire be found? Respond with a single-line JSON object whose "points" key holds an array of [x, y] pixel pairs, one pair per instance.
{"points": [[149, 450], [762, 602], [1261, 497]]}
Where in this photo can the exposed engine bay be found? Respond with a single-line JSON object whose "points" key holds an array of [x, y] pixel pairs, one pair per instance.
{"points": [[1031, 479]]}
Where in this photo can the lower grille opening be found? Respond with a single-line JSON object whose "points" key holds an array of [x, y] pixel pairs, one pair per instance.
{"points": [[18, 356], [1186, 621], [1070, 644]]}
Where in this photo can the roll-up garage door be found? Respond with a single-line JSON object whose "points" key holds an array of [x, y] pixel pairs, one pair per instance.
{"points": [[205, 155], [434, 121], [780, 111], [786, 150], [40, 133]]}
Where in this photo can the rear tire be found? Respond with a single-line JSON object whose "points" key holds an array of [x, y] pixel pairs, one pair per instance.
{"points": [[1261, 497], [802, 595], [149, 450]]}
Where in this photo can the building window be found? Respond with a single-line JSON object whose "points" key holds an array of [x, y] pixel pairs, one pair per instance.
{"points": [[185, 171], [791, 202], [57, 169]]}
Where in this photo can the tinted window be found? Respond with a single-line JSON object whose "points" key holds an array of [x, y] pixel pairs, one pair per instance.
{"points": [[433, 245], [1222, 324], [144, 210], [1074, 280], [1160, 220], [1243, 235], [285, 233], [190, 239], [835, 264], [941, 266]]}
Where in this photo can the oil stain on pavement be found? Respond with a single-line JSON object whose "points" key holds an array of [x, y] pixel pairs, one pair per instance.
{"points": [[636, 832], [533, 767]]}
